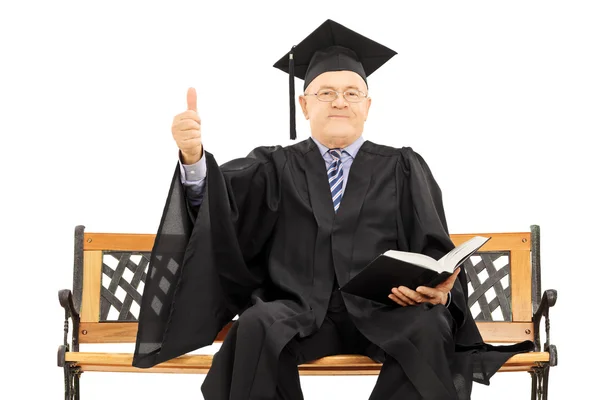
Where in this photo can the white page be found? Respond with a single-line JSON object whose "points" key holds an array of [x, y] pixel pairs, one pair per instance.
{"points": [[415, 258], [460, 253]]}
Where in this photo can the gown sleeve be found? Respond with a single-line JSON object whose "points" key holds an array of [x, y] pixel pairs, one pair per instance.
{"points": [[424, 227], [206, 261]]}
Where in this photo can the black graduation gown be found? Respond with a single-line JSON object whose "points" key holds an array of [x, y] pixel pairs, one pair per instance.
{"points": [[266, 236]]}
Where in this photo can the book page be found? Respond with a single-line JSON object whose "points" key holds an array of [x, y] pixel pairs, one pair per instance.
{"points": [[415, 258], [444, 260], [459, 254]]}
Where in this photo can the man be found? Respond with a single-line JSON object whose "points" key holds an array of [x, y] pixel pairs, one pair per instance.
{"points": [[271, 237]]}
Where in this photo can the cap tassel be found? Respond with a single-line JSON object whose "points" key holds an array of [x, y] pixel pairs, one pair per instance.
{"points": [[292, 95]]}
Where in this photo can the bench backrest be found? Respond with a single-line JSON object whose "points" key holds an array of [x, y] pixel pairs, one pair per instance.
{"points": [[110, 269]]}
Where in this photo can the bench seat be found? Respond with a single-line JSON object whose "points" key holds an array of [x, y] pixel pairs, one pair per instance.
{"points": [[200, 363]]}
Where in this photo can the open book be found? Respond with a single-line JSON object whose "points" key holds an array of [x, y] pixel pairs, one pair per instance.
{"points": [[400, 268]]}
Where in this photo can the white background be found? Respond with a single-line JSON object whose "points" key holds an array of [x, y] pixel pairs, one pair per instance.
{"points": [[500, 98]]}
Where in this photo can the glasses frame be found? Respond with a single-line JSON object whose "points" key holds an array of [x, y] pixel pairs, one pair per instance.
{"points": [[362, 97]]}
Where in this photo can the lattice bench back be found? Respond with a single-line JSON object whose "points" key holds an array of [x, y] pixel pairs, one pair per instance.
{"points": [[110, 270]]}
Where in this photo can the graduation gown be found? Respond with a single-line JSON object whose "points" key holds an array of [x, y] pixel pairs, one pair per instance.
{"points": [[266, 239]]}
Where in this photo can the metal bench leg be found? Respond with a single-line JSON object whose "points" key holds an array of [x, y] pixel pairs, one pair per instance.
{"points": [[546, 376], [71, 382], [539, 382], [533, 384], [71, 371]]}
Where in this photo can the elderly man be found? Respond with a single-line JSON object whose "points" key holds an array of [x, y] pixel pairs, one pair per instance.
{"points": [[271, 237]]}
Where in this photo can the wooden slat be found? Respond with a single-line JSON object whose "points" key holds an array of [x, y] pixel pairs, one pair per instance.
{"points": [[125, 368], [303, 372], [118, 332], [145, 242], [92, 276], [107, 332], [200, 363], [505, 332], [118, 241], [520, 285], [498, 241], [125, 332]]}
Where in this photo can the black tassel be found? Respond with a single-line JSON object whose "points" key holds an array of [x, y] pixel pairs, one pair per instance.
{"points": [[292, 95]]}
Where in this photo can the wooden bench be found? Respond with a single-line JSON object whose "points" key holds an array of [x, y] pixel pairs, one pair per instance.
{"points": [[109, 269]]}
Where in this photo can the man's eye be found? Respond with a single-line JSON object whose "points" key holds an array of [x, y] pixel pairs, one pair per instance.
{"points": [[326, 93], [352, 94]]}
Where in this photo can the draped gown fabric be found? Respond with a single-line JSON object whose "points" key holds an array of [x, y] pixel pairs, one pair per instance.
{"points": [[267, 245]]}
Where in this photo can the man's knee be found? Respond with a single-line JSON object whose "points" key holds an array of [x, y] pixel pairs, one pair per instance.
{"points": [[290, 353], [438, 322], [250, 322]]}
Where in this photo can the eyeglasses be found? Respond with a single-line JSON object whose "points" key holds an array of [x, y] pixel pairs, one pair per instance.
{"points": [[328, 95]]}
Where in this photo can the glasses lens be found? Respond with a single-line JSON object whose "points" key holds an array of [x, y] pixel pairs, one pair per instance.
{"points": [[352, 96], [326, 95]]}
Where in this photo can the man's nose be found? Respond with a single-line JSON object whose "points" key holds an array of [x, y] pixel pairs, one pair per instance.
{"points": [[340, 102]]}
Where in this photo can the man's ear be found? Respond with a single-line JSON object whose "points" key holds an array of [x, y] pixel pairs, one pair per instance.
{"points": [[368, 107], [302, 101]]}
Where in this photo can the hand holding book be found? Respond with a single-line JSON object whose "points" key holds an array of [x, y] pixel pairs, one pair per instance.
{"points": [[423, 294], [411, 270]]}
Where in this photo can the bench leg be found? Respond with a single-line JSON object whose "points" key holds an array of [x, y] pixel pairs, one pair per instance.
{"points": [[71, 382], [539, 382], [546, 375], [533, 385]]}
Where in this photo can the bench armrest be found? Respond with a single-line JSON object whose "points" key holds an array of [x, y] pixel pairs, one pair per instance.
{"points": [[65, 297], [548, 300]]}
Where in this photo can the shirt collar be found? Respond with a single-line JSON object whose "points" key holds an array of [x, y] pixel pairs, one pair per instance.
{"points": [[351, 149]]}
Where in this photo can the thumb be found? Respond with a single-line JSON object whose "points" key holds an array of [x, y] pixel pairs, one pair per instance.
{"points": [[191, 99], [449, 282], [453, 277]]}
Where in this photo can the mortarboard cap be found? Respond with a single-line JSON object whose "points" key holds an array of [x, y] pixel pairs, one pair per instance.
{"points": [[330, 47]]}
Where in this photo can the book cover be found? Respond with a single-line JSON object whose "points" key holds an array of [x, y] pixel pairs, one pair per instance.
{"points": [[397, 268]]}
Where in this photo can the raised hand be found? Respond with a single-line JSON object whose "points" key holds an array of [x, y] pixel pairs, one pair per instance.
{"points": [[186, 130]]}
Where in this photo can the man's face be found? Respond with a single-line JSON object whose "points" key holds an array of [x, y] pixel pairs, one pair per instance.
{"points": [[339, 121]]}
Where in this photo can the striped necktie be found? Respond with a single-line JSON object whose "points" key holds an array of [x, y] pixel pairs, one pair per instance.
{"points": [[335, 174]]}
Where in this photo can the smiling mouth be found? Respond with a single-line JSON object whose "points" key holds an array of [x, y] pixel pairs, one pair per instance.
{"points": [[338, 116]]}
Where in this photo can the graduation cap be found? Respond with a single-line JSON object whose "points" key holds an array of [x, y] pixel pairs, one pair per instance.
{"points": [[330, 47]]}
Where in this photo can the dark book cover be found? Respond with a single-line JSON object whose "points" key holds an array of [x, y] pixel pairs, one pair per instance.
{"points": [[375, 282]]}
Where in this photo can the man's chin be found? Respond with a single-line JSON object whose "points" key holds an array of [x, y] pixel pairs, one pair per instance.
{"points": [[340, 131]]}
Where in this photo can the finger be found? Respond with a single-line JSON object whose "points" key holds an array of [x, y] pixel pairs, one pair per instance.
{"points": [[429, 292], [434, 296], [452, 278], [403, 297], [186, 135], [448, 284], [411, 294], [190, 144], [192, 100], [186, 125], [455, 273], [397, 300], [188, 114]]}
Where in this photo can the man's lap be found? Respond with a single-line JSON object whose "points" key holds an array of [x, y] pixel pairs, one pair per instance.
{"points": [[337, 335]]}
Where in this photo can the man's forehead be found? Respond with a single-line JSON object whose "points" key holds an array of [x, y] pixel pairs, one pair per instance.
{"points": [[338, 79]]}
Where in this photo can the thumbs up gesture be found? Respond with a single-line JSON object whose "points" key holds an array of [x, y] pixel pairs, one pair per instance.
{"points": [[186, 130]]}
